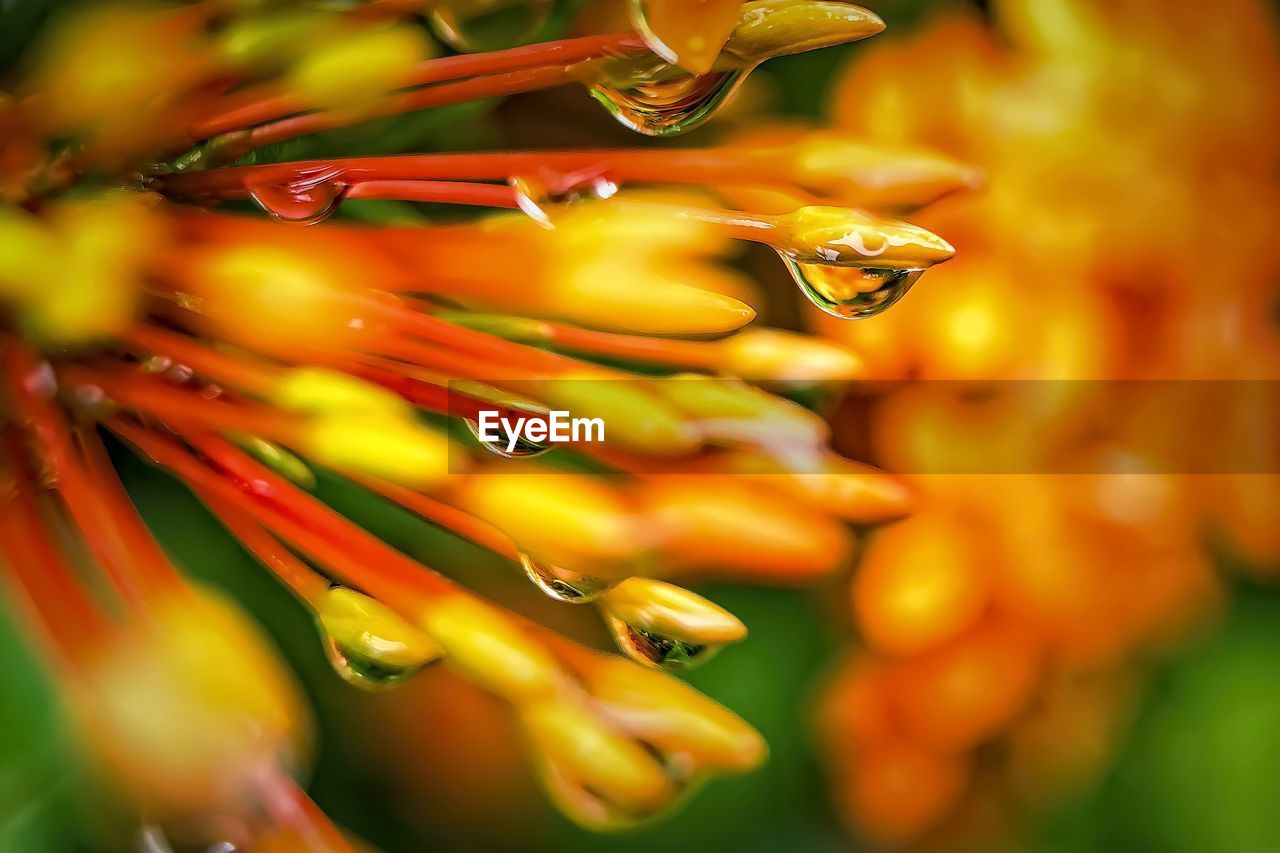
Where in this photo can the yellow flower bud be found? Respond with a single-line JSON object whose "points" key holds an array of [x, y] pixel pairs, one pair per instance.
{"points": [[575, 522], [185, 707], [351, 71], [371, 640], [635, 415], [839, 236], [394, 448], [491, 649], [669, 714], [769, 28], [314, 390], [836, 166], [662, 608], [733, 411], [602, 778], [772, 355]]}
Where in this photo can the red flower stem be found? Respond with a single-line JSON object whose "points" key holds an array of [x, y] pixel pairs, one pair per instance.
{"points": [[156, 397], [71, 620], [291, 809], [305, 582], [665, 351], [701, 166], [228, 370], [263, 104], [437, 192], [442, 514], [116, 537], [357, 556], [476, 88]]}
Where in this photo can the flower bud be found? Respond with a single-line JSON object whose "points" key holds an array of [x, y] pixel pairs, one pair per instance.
{"points": [[786, 358], [770, 28], [575, 522], [183, 708], [840, 236], [394, 448], [368, 634], [602, 779], [487, 646], [694, 732]]}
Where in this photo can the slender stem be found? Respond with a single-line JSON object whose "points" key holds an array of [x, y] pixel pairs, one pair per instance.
{"points": [[70, 618], [180, 406], [666, 351], [264, 103], [438, 192], [358, 557], [442, 514], [706, 166], [304, 581], [476, 88], [227, 370]]}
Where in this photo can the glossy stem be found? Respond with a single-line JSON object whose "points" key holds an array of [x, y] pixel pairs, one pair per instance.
{"points": [[69, 618], [706, 166], [265, 103], [361, 559]]}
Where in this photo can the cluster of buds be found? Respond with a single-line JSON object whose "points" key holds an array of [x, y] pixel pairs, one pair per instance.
{"points": [[242, 352], [1097, 409]]}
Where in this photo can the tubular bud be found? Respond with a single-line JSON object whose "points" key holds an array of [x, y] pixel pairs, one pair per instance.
{"points": [[174, 724], [696, 733], [771, 28], [786, 358], [601, 778], [672, 611], [314, 390], [571, 521], [393, 448], [364, 628], [488, 647], [839, 236], [635, 414]]}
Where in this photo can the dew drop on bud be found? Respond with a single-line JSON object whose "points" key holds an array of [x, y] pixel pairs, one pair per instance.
{"points": [[310, 198], [562, 585], [666, 101], [538, 196], [851, 292], [369, 645], [657, 650], [502, 446], [365, 672], [480, 25]]}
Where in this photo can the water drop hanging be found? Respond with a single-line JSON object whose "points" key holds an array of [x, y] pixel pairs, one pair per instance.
{"points": [[851, 292], [538, 196], [664, 101], [562, 585], [309, 199], [657, 650], [368, 645]]}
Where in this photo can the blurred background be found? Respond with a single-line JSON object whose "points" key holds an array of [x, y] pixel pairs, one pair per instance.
{"points": [[1126, 231]]}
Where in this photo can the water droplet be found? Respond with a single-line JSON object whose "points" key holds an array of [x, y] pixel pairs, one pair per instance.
{"points": [[657, 650], [360, 670], [311, 197], [369, 645], [479, 25], [538, 196], [562, 585], [522, 449], [667, 101], [851, 292]]}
